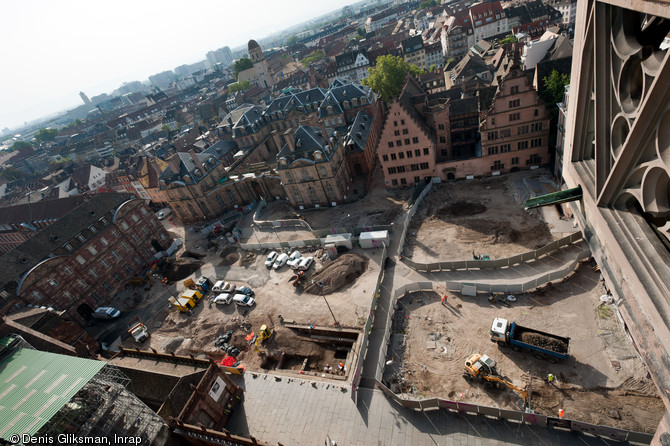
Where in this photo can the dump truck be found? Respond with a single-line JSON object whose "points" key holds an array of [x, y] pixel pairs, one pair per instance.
{"points": [[138, 330], [539, 343], [187, 300]]}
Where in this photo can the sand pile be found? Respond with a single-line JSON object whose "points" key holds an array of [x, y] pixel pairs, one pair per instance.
{"points": [[343, 271]]}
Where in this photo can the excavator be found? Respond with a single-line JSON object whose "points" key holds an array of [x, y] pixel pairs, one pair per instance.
{"points": [[483, 368], [264, 334]]}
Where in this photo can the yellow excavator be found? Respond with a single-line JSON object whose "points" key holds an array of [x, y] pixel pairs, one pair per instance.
{"points": [[483, 368], [264, 334]]}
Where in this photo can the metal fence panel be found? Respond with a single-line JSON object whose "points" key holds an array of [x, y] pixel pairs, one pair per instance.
{"points": [[469, 289], [446, 265], [444, 404], [453, 286], [639, 437], [514, 260], [534, 418], [427, 286], [526, 256], [511, 414], [459, 265], [610, 432], [429, 403], [489, 411], [465, 407]]}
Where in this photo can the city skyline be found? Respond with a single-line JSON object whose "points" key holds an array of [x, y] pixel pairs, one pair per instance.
{"points": [[96, 46]]}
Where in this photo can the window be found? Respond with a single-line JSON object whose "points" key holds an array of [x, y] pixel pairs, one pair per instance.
{"points": [[401, 169], [124, 225], [396, 132], [424, 166], [402, 122], [505, 148], [403, 181], [104, 241], [115, 255], [415, 140], [117, 277], [125, 246], [68, 270], [68, 296], [514, 103], [146, 252], [414, 167], [143, 211], [407, 141], [536, 142], [497, 165], [134, 237], [93, 273], [417, 152], [398, 143], [137, 260], [443, 140], [522, 145], [82, 283], [506, 133], [535, 159], [68, 247], [522, 130], [115, 234], [492, 135], [493, 150], [514, 117], [127, 268], [36, 295], [395, 123], [81, 260], [417, 179], [92, 229], [146, 231], [107, 287], [537, 112], [104, 263], [401, 155], [515, 160], [409, 154], [440, 126], [53, 282], [536, 127], [96, 297], [393, 157], [405, 131], [385, 157], [164, 237], [394, 182], [392, 170], [514, 89], [92, 250], [493, 121], [426, 151], [391, 144]]}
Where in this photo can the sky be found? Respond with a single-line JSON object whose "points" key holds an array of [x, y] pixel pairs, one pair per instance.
{"points": [[51, 50]]}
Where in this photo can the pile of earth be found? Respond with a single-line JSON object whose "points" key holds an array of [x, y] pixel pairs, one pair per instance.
{"points": [[182, 268], [460, 209], [343, 271], [543, 341], [229, 256]]}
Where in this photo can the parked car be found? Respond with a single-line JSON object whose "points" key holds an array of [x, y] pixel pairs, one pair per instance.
{"points": [[244, 300], [271, 259], [223, 287], [163, 213], [245, 290], [305, 263], [280, 261], [293, 259], [106, 313], [223, 298]]}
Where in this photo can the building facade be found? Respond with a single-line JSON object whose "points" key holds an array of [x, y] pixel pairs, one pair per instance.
{"points": [[414, 52]]}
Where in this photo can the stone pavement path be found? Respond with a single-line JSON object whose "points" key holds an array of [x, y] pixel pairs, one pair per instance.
{"points": [[297, 413]]}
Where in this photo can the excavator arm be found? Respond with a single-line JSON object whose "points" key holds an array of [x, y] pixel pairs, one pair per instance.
{"points": [[508, 383]]}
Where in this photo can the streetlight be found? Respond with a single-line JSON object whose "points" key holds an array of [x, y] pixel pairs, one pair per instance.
{"points": [[320, 284]]}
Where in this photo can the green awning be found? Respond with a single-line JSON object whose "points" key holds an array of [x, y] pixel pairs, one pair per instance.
{"points": [[562, 196]]}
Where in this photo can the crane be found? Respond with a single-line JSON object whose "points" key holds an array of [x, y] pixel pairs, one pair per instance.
{"points": [[483, 368]]}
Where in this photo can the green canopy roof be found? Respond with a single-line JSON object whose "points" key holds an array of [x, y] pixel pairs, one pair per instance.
{"points": [[561, 196]]}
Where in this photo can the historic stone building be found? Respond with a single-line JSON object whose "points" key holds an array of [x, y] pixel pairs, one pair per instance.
{"points": [[617, 148], [312, 167], [81, 261], [259, 74]]}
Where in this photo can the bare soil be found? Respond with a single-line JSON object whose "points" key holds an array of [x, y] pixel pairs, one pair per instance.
{"points": [[343, 271], [603, 382], [484, 217]]}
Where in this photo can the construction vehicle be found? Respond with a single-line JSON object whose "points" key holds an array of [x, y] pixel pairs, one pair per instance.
{"points": [[187, 300], [138, 330], [297, 279], [203, 284], [539, 343], [483, 368], [265, 334]]}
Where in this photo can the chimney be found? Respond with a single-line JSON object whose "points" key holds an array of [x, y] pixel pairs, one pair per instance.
{"points": [[196, 161], [289, 137], [277, 140]]}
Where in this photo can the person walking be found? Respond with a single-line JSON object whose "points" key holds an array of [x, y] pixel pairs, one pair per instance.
{"points": [[550, 378]]}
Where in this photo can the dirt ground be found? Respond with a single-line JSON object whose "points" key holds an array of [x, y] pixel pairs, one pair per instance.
{"points": [[604, 381], [483, 216], [275, 295]]}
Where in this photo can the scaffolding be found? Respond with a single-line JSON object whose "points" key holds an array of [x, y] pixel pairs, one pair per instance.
{"points": [[105, 407]]}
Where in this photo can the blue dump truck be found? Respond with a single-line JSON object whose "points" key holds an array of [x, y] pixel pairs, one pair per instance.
{"points": [[543, 345]]}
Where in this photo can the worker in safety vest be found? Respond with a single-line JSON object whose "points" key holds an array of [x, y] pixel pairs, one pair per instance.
{"points": [[550, 378]]}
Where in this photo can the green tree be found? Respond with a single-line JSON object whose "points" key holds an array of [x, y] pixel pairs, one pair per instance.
{"points": [[291, 40], [508, 39], [11, 174], [428, 4], [386, 79], [75, 123], [239, 86], [314, 56], [44, 135], [18, 145], [432, 68], [240, 65], [554, 87], [166, 128]]}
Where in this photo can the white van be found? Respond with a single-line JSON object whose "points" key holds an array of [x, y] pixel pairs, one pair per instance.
{"points": [[244, 300]]}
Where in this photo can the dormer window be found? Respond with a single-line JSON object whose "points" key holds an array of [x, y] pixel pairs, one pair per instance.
{"points": [[81, 238]]}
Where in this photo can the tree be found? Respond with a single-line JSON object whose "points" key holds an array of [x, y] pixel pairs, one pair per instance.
{"points": [[386, 79], [18, 145], [508, 39], [292, 40], [75, 123], [44, 135], [314, 56], [166, 128], [428, 4], [432, 68], [554, 87], [239, 86], [240, 65], [11, 174]]}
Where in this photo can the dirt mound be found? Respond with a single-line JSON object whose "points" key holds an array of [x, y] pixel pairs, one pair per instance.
{"points": [[193, 255], [230, 256], [461, 209], [543, 341], [248, 259], [343, 271], [182, 268]]}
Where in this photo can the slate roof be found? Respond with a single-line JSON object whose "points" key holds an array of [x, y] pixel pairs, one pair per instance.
{"points": [[188, 167], [359, 131], [336, 96], [244, 120], [307, 140], [292, 101], [41, 210], [348, 59], [412, 45]]}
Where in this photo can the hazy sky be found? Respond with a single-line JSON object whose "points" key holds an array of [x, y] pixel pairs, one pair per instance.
{"points": [[50, 50]]}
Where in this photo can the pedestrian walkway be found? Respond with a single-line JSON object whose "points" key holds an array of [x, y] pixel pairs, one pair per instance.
{"points": [[295, 412]]}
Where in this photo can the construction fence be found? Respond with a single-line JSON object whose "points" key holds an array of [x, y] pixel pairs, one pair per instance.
{"points": [[500, 263], [410, 214], [522, 417], [358, 370]]}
